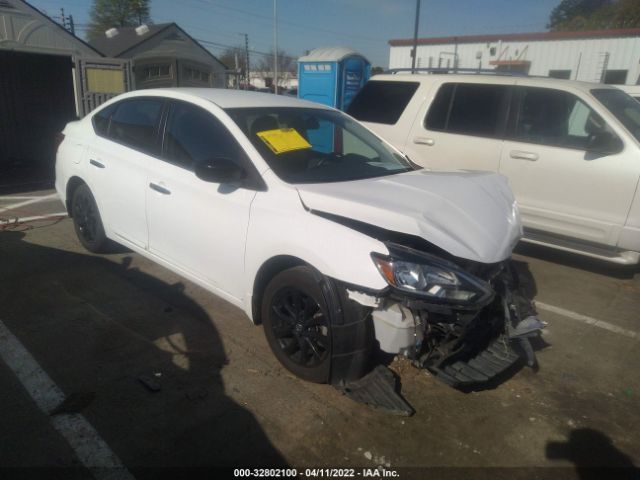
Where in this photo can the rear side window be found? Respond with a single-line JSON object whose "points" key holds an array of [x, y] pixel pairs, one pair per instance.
{"points": [[101, 120], [554, 117], [382, 102], [469, 109], [135, 123]]}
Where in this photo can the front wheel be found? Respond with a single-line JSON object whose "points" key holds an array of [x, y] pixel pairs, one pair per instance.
{"points": [[87, 220], [315, 332]]}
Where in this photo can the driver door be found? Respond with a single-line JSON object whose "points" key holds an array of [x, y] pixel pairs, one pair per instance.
{"points": [[199, 227]]}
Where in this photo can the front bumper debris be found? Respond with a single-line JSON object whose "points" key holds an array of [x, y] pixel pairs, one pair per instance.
{"points": [[464, 347]]}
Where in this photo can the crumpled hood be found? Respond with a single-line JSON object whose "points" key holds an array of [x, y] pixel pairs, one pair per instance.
{"points": [[471, 215]]}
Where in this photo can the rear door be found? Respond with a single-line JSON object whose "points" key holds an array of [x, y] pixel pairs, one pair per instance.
{"points": [[118, 158], [563, 186], [199, 227], [461, 126]]}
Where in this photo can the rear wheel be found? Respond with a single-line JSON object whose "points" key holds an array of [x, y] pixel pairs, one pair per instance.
{"points": [[87, 220], [302, 313]]}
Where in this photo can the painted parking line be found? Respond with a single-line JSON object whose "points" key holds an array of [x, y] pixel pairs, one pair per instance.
{"points": [[44, 198], [588, 320], [18, 220], [89, 447]]}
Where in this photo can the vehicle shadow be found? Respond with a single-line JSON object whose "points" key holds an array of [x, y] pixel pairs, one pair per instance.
{"points": [[594, 456], [135, 354], [573, 260]]}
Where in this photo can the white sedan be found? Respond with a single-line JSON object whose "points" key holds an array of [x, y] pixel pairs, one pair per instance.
{"points": [[310, 223]]}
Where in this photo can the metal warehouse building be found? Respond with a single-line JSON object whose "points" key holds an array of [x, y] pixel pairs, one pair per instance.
{"points": [[607, 56]]}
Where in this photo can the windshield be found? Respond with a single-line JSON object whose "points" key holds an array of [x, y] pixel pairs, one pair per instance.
{"points": [[307, 145], [623, 107]]}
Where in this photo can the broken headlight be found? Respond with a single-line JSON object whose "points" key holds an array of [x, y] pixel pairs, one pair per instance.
{"points": [[429, 276]]}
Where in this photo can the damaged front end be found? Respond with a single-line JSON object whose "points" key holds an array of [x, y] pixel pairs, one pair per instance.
{"points": [[464, 321]]}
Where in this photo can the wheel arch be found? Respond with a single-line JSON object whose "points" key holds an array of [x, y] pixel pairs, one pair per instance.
{"points": [[269, 269], [73, 183]]}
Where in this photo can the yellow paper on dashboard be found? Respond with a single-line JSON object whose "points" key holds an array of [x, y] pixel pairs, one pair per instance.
{"points": [[282, 140]]}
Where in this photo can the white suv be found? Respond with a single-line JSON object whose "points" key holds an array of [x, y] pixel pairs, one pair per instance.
{"points": [[570, 150], [310, 223]]}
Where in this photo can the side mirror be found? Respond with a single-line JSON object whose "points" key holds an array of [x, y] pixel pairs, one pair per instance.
{"points": [[604, 143], [219, 170]]}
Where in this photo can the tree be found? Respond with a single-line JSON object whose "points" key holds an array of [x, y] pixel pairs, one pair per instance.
{"points": [[287, 66], [228, 57], [106, 14], [595, 15], [376, 70], [286, 63]]}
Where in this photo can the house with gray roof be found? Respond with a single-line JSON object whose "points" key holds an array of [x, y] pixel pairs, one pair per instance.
{"points": [[163, 55]]}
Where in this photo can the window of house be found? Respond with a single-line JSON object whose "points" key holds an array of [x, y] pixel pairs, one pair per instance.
{"points": [[134, 123], [469, 109], [382, 102], [562, 74], [615, 77], [557, 118], [194, 135], [153, 72], [196, 74]]}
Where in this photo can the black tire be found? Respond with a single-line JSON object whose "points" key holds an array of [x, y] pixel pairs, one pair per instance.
{"points": [[309, 329], [87, 220]]}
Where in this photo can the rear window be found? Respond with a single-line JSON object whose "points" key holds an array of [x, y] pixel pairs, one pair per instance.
{"points": [[382, 102], [469, 109]]}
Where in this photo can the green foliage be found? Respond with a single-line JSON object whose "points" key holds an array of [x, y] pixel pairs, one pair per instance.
{"points": [[106, 14], [595, 15]]}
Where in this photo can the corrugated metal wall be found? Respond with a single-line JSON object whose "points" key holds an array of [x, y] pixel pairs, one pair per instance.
{"points": [[584, 57]]}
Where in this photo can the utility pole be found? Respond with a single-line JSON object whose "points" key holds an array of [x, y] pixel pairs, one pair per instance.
{"points": [[63, 19], [72, 27], [414, 52], [235, 54], [275, 44], [246, 52]]}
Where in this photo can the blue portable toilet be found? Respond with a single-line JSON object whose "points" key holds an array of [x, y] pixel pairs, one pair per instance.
{"points": [[332, 76]]}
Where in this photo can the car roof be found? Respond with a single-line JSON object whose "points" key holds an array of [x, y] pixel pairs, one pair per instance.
{"points": [[227, 98], [489, 79]]}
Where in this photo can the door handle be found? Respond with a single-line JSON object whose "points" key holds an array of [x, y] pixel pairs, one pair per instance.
{"points": [[96, 163], [532, 157], [159, 189], [424, 141]]}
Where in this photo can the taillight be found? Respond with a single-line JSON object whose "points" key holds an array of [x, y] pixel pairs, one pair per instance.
{"points": [[58, 140]]}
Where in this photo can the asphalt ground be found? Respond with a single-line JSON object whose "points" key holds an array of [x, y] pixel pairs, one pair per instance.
{"points": [[114, 367]]}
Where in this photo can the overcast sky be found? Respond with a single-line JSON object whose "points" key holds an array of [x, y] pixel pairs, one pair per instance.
{"points": [[365, 25]]}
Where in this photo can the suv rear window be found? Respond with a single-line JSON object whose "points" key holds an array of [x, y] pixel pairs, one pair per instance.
{"points": [[469, 109], [382, 102]]}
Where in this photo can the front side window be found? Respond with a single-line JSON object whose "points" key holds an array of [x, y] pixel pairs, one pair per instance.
{"points": [[382, 102], [135, 123], [307, 145], [194, 135], [622, 106], [557, 118], [469, 109]]}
